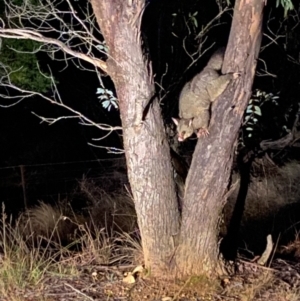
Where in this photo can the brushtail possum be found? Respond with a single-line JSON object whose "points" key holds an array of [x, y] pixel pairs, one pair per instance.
{"points": [[198, 94]]}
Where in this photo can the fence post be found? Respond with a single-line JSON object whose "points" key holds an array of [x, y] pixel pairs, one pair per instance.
{"points": [[22, 170]]}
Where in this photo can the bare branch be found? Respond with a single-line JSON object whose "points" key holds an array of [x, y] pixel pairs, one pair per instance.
{"points": [[211, 24], [29, 35], [202, 35], [264, 72], [63, 29], [277, 144], [74, 33], [76, 114], [110, 150]]}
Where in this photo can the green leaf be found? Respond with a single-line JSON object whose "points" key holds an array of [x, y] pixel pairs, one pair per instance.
{"points": [[257, 110], [249, 109]]}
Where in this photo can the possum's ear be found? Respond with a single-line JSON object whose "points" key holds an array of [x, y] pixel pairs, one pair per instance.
{"points": [[175, 120]]}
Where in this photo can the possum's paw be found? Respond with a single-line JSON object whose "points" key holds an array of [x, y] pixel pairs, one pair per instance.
{"points": [[202, 132]]}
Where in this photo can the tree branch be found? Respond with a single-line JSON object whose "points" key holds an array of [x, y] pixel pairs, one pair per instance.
{"points": [[34, 36]]}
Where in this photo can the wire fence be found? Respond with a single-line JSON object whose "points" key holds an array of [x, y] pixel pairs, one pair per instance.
{"points": [[24, 185]]}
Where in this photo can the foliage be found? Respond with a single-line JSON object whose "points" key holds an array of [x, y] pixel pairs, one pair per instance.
{"points": [[103, 47], [107, 99], [253, 110], [17, 59], [255, 115], [286, 4]]}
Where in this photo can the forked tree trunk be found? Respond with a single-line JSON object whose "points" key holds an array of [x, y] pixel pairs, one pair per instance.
{"points": [[147, 151], [146, 148], [208, 178]]}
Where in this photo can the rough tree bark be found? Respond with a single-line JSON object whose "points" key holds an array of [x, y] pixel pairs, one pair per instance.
{"points": [[209, 174], [147, 151], [146, 148]]}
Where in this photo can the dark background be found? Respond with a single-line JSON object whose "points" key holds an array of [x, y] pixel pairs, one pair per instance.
{"points": [[56, 157]]}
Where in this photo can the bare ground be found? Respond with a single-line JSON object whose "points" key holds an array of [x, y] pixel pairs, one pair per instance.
{"points": [[280, 282]]}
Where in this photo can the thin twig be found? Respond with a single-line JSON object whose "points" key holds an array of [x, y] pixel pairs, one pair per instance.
{"points": [[79, 292]]}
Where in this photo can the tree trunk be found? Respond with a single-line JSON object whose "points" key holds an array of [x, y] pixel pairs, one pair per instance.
{"points": [[209, 174], [146, 148], [147, 151]]}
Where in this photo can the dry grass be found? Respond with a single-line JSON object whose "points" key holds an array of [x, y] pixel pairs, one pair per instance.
{"points": [[113, 210], [53, 241], [20, 265], [255, 288], [26, 264], [52, 253]]}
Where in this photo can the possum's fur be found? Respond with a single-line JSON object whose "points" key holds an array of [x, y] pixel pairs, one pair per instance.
{"points": [[198, 94]]}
